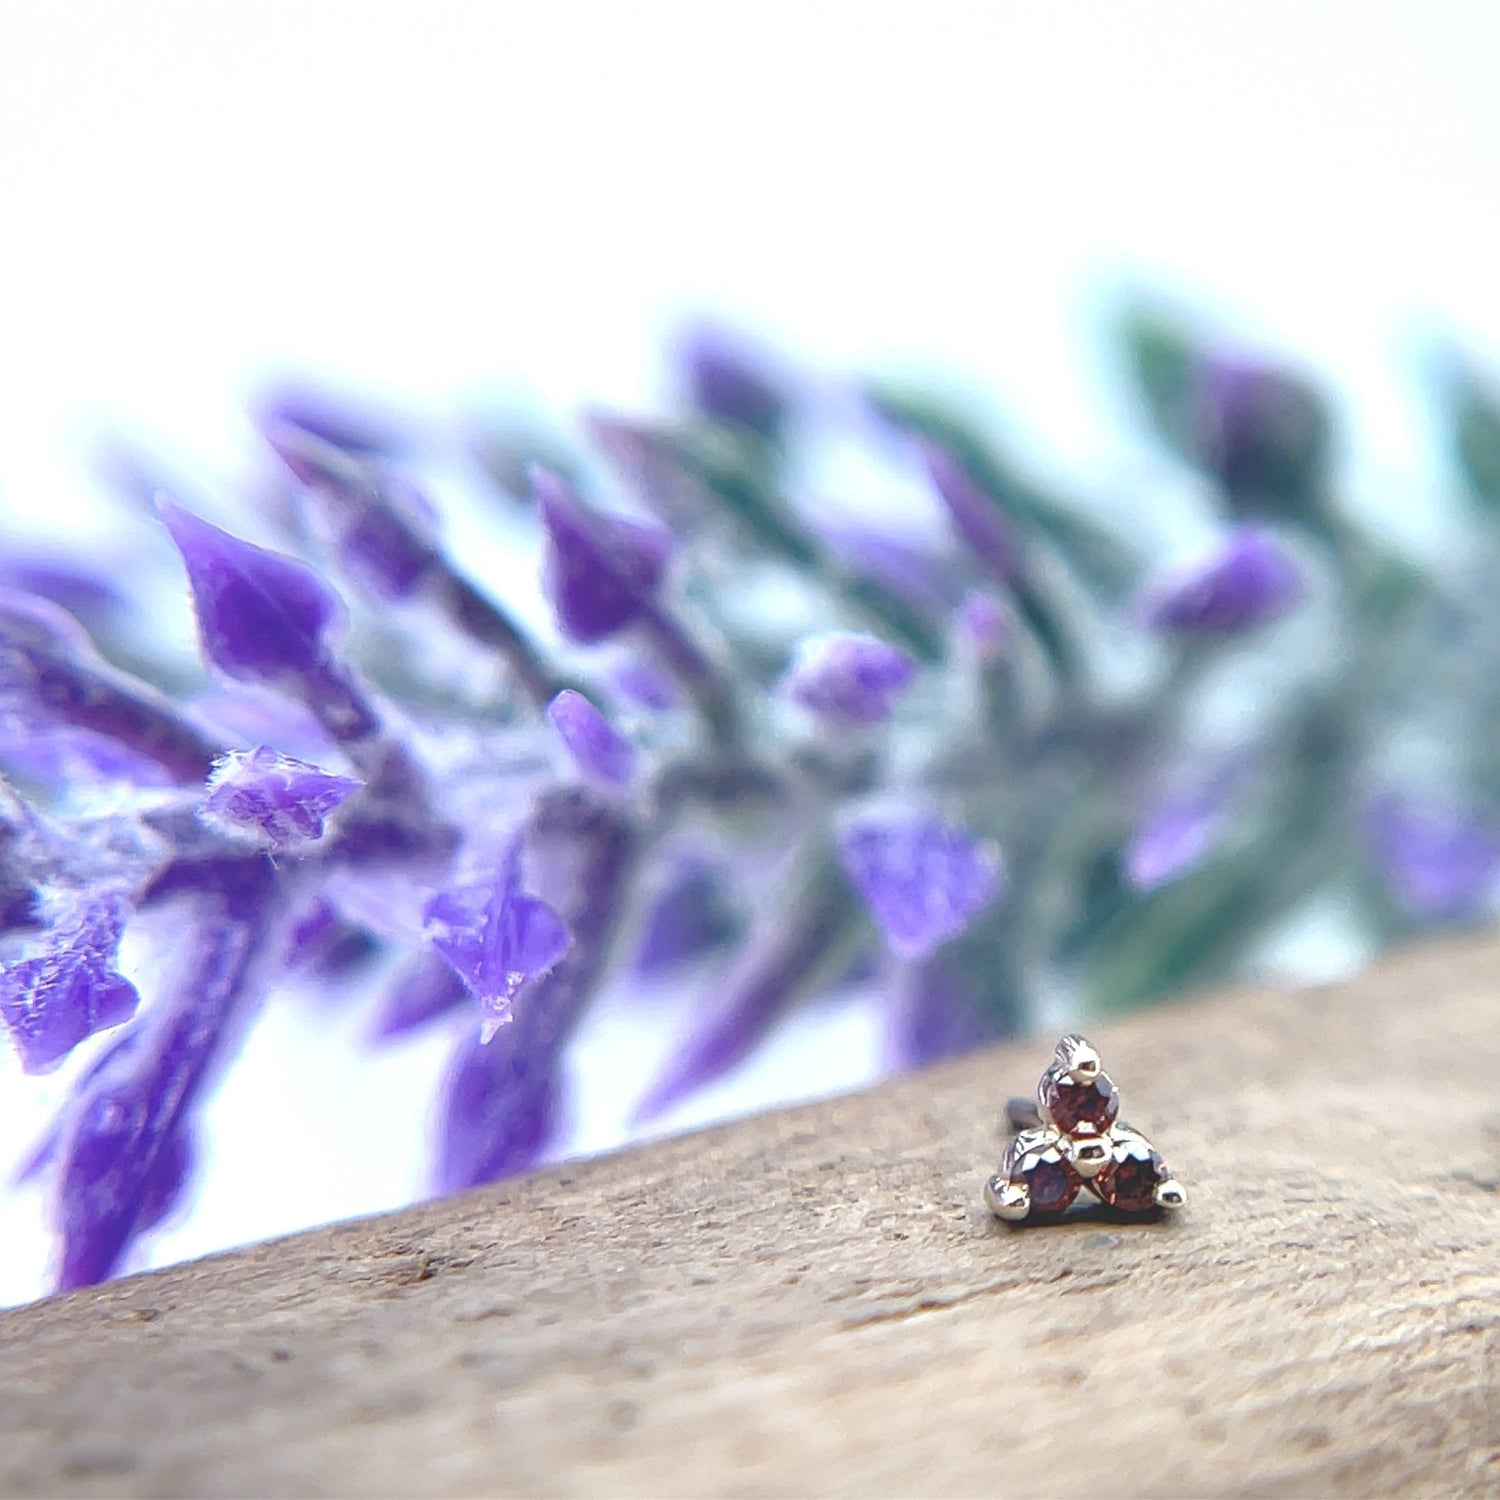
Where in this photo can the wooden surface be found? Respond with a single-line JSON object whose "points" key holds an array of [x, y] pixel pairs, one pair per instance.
{"points": [[813, 1302]]}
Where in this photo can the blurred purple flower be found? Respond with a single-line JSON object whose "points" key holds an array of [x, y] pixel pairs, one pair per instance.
{"points": [[848, 677], [603, 571], [1250, 580], [272, 798], [72, 989], [1440, 863], [503, 1107], [83, 591], [791, 948], [425, 988], [980, 523], [689, 915], [1182, 828], [124, 1151], [645, 684], [725, 379], [1256, 427], [599, 750], [323, 942], [51, 676], [934, 1016], [496, 937], [985, 626], [923, 879], [503, 1100], [344, 422], [916, 572]]}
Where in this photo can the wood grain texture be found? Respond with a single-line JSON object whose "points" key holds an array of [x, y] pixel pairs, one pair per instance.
{"points": [[813, 1302]]}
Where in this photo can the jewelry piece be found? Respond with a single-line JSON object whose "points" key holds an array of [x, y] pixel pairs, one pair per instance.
{"points": [[1073, 1138]]}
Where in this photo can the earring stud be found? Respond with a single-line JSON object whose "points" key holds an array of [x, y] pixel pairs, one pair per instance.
{"points": [[1072, 1138]]}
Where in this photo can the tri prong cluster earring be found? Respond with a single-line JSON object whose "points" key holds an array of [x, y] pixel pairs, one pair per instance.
{"points": [[1072, 1139]]}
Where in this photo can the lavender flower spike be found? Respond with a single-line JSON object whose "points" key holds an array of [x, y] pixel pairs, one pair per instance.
{"points": [[272, 798], [52, 1002], [598, 749], [496, 937], [848, 677], [924, 880], [1250, 580]]}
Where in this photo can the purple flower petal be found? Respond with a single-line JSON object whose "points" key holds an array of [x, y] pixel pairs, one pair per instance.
{"points": [[1440, 863], [791, 951], [923, 879], [1250, 580], [50, 675], [337, 420], [725, 379], [908, 567], [503, 1103], [598, 749], [381, 529], [496, 937], [272, 798], [603, 571], [984, 626], [690, 915], [262, 616], [1169, 844], [848, 677], [645, 684], [52, 1002], [1257, 427], [321, 941], [980, 523], [427, 987]]}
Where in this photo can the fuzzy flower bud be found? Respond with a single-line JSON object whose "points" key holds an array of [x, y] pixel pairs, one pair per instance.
{"points": [[601, 753], [976, 516], [1249, 581], [848, 677], [724, 380], [262, 617], [272, 798], [1260, 430], [603, 571]]}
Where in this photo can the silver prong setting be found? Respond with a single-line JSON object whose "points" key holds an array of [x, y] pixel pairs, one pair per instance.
{"points": [[1171, 1195], [1079, 1058], [1087, 1153], [1007, 1200]]}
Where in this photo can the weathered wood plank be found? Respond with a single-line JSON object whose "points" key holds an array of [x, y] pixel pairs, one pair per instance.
{"points": [[813, 1302]]}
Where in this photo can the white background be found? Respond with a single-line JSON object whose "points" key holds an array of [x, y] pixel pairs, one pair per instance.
{"points": [[437, 201]]}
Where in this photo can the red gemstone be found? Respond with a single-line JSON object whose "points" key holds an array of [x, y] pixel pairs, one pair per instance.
{"points": [[1128, 1180], [1036, 1159], [1078, 1108]]}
